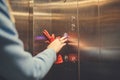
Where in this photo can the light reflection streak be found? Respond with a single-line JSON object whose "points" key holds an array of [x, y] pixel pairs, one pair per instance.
{"points": [[40, 38], [20, 13], [72, 4], [57, 5], [95, 51], [68, 5]]}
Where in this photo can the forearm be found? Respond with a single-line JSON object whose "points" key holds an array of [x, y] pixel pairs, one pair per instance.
{"points": [[21, 64]]}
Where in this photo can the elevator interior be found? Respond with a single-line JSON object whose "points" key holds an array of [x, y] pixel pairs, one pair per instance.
{"points": [[93, 27]]}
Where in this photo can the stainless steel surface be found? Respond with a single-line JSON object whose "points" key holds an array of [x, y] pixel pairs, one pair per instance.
{"points": [[21, 12], [41, 21], [99, 40], [110, 39], [93, 50], [89, 38], [64, 20]]}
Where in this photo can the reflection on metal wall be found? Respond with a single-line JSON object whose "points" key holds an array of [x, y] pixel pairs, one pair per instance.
{"points": [[23, 21], [64, 20], [42, 20], [93, 50]]}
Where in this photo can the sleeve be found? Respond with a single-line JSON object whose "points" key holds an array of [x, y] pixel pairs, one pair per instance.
{"points": [[15, 63]]}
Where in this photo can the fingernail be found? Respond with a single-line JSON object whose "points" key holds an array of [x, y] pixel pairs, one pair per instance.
{"points": [[65, 35]]}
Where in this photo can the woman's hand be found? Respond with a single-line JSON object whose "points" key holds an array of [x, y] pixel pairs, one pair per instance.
{"points": [[57, 44]]}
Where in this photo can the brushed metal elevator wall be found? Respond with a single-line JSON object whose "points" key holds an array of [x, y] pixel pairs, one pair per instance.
{"points": [[22, 11], [93, 28], [99, 22]]}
